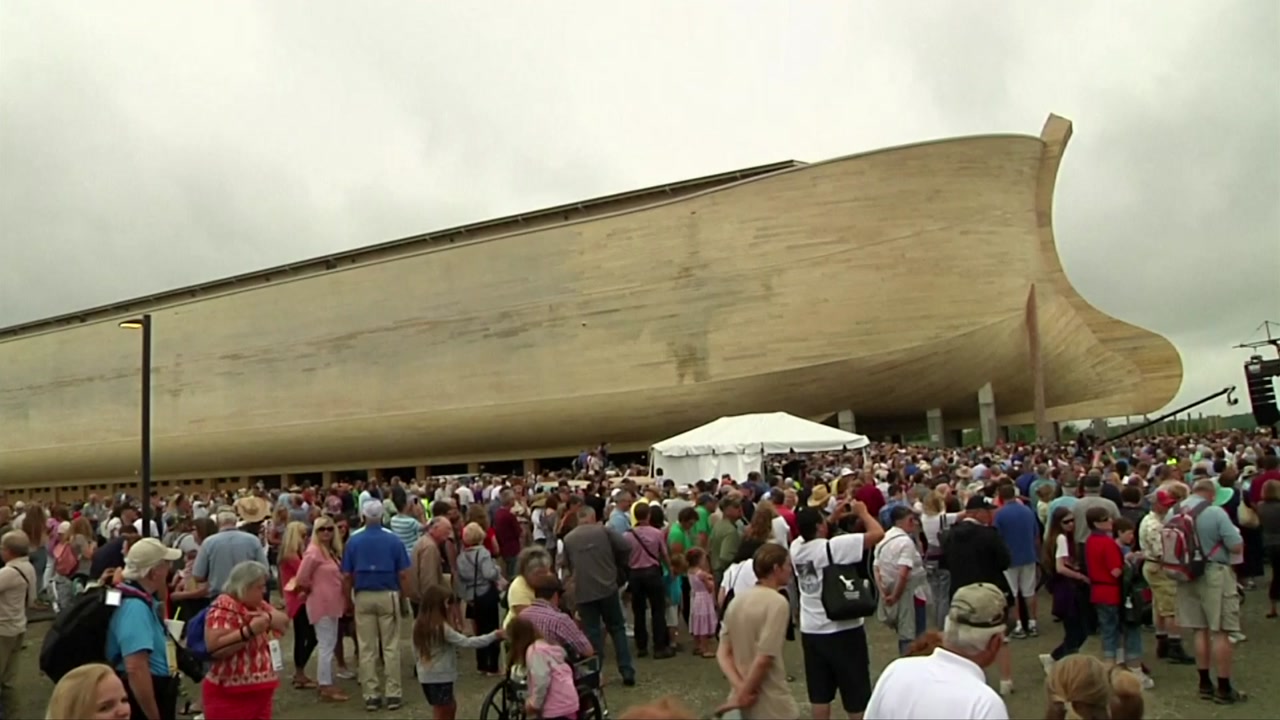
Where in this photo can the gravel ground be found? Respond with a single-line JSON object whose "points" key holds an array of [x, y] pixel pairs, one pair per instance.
{"points": [[698, 684]]}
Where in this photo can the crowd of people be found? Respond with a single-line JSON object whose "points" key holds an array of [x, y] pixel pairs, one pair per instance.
{"points": [[948, 548]]}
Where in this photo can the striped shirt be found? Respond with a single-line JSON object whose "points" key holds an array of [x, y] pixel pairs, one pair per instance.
{"points": [[408, 529], [556, 626]]}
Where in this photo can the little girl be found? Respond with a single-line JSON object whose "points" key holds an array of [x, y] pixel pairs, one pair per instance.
{"points": [[551, 691], [436, 643], [675, 596], [702, 609]]}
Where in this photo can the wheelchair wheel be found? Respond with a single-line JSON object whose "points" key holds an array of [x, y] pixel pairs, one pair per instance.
{"points": [[495, 704], [589, 707]]}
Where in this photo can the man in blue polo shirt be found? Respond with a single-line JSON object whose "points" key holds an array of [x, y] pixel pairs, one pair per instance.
{"points": [[1017, 525], [375, 566]]}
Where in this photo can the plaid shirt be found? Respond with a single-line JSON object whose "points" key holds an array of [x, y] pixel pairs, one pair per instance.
{"points": [[556, 627]]}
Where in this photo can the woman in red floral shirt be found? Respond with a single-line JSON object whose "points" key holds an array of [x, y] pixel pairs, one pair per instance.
{"points": [[242, 631]]}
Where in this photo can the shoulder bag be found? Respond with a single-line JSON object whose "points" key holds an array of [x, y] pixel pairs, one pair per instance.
{"points": [[846, 594]]}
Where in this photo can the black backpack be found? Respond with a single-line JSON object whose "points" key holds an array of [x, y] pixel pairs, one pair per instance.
{"points": [[846, 594], [78, 635]]}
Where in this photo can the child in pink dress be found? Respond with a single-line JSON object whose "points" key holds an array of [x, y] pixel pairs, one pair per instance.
{"points": [[702, 609]]}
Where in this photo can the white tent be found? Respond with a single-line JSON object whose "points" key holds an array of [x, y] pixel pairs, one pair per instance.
{"points": [[738, 444]]}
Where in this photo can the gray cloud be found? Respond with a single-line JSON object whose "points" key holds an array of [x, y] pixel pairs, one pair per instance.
{"points": [[170, 145]]}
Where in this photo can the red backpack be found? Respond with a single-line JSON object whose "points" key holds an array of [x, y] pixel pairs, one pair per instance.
{"points": [[1181, 556]]}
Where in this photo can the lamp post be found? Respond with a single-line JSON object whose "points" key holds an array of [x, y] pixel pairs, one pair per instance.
{"points": [[144, 324]]}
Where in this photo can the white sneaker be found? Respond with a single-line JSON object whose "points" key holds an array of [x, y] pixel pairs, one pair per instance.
{"points": [[1237, 637], [1145, 679], [1006, 687], [1046, 662]]}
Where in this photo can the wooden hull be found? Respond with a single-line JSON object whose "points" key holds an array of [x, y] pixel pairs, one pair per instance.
{"points": [[889, 282]]}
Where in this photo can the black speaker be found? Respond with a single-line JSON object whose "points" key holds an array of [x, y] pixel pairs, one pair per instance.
{"points": [[1260, 377]]}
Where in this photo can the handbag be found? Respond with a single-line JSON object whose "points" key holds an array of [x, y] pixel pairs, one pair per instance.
{"points": [[1248, 517], [846, 594]]}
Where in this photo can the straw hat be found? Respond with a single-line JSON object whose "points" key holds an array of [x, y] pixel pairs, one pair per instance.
{"points": [[251, 509], [819, 497]]}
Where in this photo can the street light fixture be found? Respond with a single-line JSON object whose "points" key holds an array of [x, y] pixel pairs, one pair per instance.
{"points": [[144, 324]]}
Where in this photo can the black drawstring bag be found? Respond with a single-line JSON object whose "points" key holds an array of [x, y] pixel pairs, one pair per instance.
{"points": [[846, 594]]}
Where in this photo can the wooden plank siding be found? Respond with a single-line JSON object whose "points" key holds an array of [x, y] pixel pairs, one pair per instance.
{"points": [[888, 282]]}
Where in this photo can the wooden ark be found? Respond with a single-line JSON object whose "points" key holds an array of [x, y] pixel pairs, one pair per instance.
{"points": [[889, 282]]}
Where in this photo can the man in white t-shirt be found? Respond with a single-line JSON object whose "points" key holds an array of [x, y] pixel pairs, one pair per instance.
{"points": [[950, 683], [465, 497], [835, 651]]}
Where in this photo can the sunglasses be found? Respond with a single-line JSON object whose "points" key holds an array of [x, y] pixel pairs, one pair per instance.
{"points": [[324, 529]]}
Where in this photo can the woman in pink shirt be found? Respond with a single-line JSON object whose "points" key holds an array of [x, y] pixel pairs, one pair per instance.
{"points": [[319, 584], [292, 548]]}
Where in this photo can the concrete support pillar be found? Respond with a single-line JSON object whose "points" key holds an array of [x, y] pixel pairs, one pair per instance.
{"points": [[937, 431], [1037, 367], [531, 466], [987, 415], [421, 473], [473, 468], [327, 478], [373, 474], [846, 421], [1057, 432], [286, 481]]}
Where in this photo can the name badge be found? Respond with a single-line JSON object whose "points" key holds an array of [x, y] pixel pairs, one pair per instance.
{"points": [[277, 658], [113, 598]]}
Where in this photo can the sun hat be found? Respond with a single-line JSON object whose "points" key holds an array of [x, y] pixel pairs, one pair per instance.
{"points": [[1222, 495], [252, 509], [819, 497]]}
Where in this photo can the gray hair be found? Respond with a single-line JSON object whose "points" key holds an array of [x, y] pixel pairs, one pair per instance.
{"points": [[227, 519], [16, 542], [506, 496], [968, 639], [531, 559], [586, 513], [244, 575]]}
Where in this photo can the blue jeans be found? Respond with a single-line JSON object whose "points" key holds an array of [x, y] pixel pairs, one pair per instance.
{"points": [[606, 614], [1114, 631], [1074, 636]]}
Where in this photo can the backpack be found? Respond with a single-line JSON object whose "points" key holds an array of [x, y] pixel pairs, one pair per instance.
{"points": [[78, 635], [846, 594], [1181, 556], [64, 560], [196, 644]]}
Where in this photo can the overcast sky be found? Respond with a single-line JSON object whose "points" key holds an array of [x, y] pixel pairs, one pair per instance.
{"points": [[145, 146]]}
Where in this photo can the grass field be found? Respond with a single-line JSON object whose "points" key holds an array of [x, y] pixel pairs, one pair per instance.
{"points": [[699, 685]]}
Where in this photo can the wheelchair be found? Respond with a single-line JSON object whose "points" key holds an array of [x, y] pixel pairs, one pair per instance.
{"points": [[506, 700]]}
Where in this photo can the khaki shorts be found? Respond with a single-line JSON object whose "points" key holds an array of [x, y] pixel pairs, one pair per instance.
{"points": [[1164, 590], [1211, 602]]}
